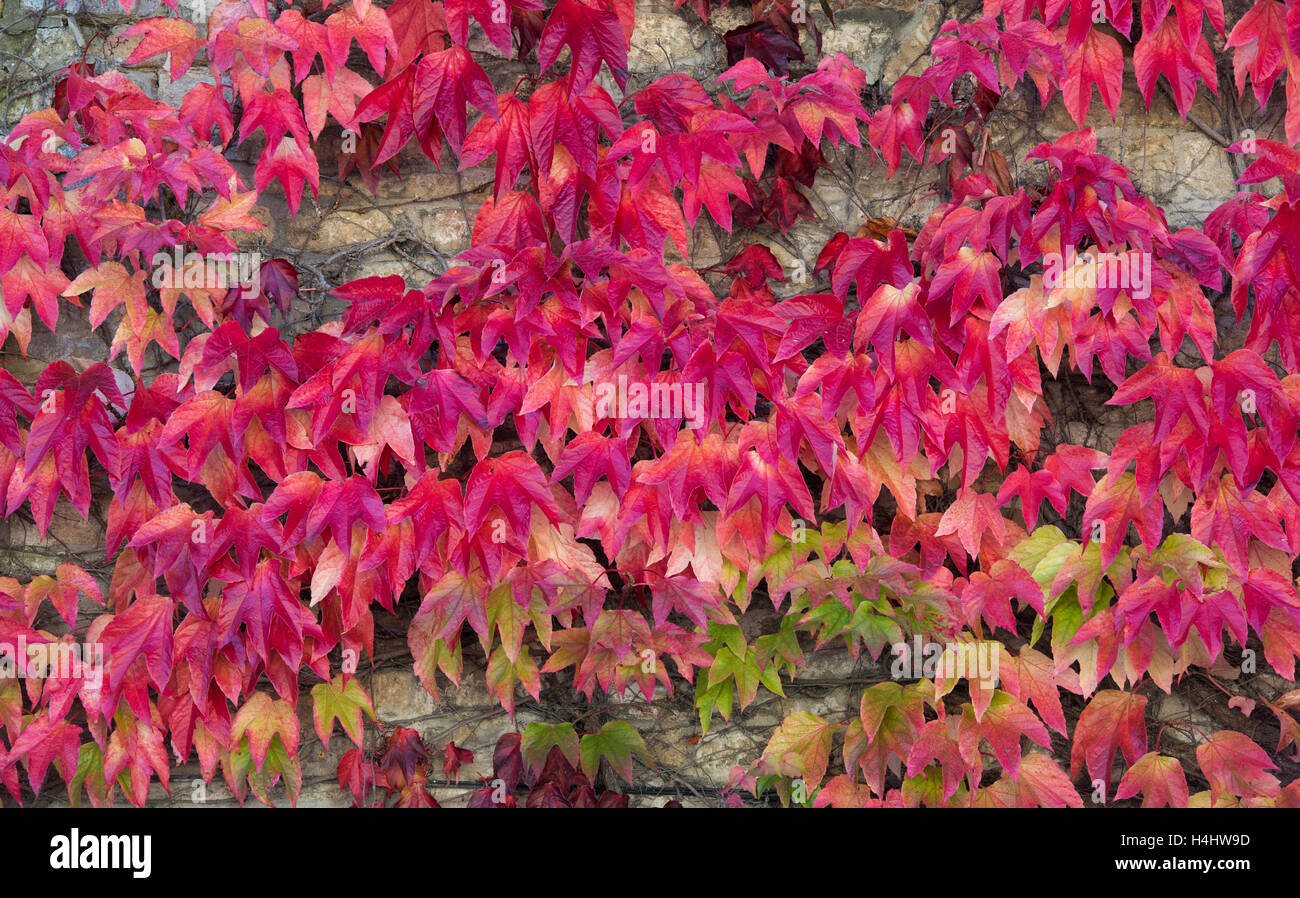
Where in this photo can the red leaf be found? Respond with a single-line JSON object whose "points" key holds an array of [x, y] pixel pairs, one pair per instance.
{"points": [[174, 36], [593, 34], [813, 317], [1159, 778], [144, 630], [1235, 765], [444, 84], [1098, 61], [1113, 720], [1165, 51], [760, 40], [452, 757], [1003, 723]]}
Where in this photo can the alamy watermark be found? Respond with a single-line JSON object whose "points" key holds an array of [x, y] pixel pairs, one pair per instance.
{"points": [[76, 851], [1129, 271], [639, 399], [939, 660], [211, 271], [53, 661]]}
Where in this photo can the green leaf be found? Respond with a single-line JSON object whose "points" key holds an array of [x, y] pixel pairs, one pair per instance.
{"points": [[770, 678], [725, 699], [432, 654], [779, 565], [844, 569], [342, 699], [1067, 618], [539, 738], [726, 665], [781, 647], [1083, 568], [236, 766], [729, 635], [1182, 557], [508, 617], [767, 781], [503, 674], [262, 719], [880, 698], [278, 763], [926, 788], [829, 618], [750, 677], [1046, 570], [90, 773], [720, 697], [616, 742], [875, 629], [801, 747], [705, 700], [837, 532], [1039, 624], [1034, 548]]}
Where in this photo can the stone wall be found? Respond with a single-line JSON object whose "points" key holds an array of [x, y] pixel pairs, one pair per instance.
{"points": [[416, 223]]}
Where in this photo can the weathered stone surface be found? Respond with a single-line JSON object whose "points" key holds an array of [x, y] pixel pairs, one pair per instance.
{"points": [[905, 6], [1179, 167], [430, 185], [338, 229], [51, 47], [173, 92], [914, 39], [1186, 173], [865, 42], [729, 18], [261, 237], [1175, 708], [666, 40], [383, 265], [103, 11], [446, 229], [399, 697]]}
